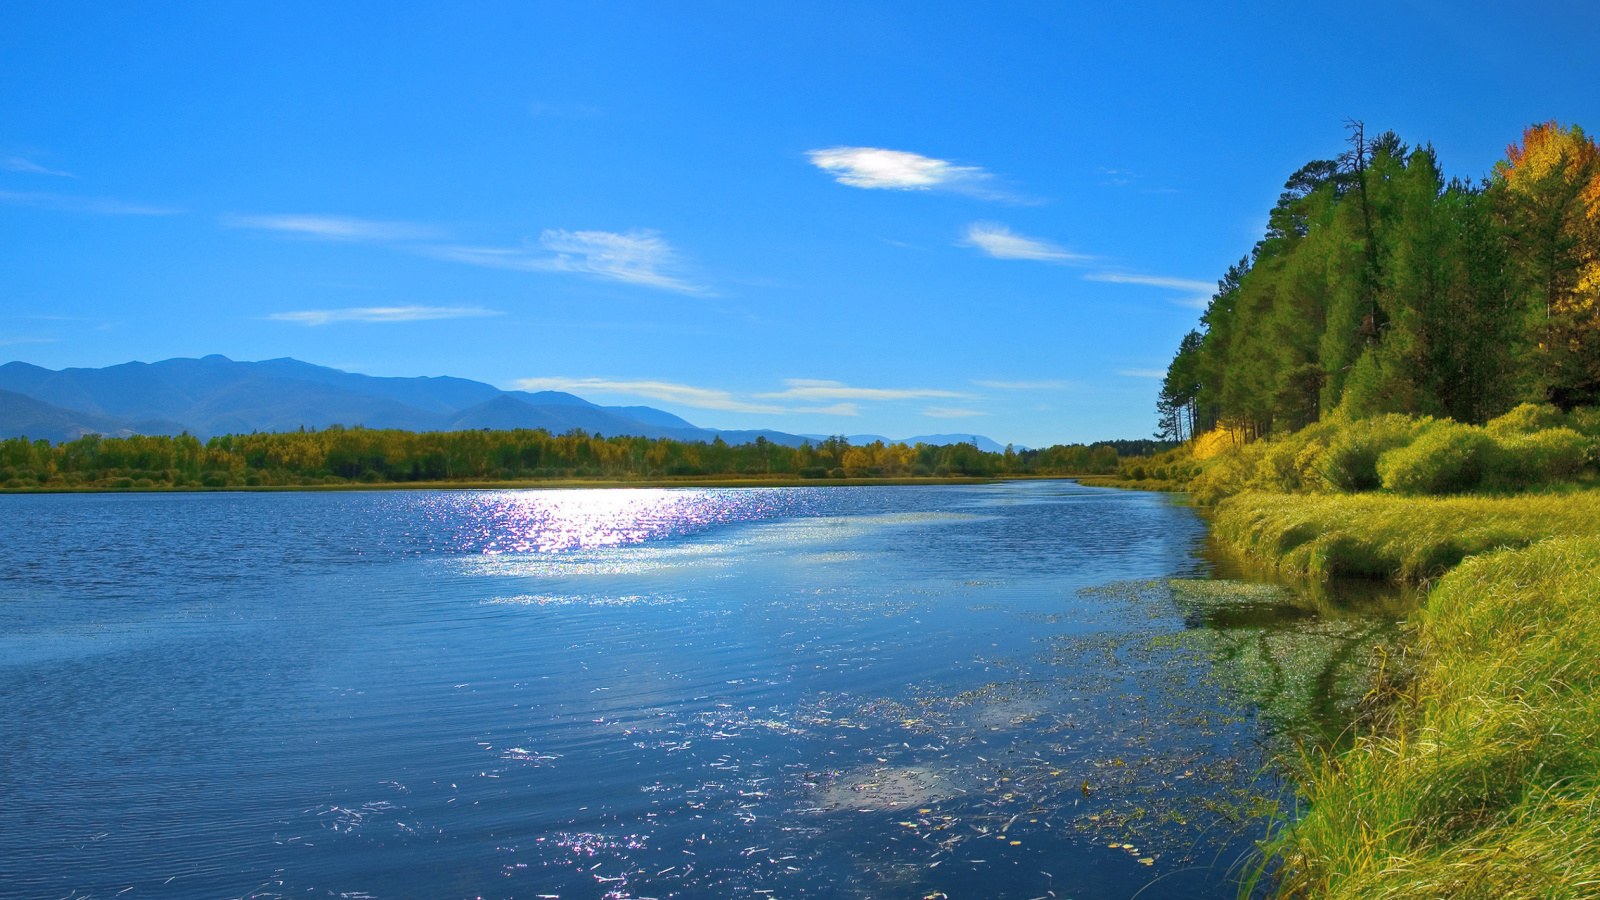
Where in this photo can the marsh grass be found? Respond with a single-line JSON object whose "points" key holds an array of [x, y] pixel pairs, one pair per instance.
{"points": [[1414, 539], [1486, 784]]}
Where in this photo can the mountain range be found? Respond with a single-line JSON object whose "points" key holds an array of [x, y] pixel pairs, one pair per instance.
{"points": [[216, 395]]}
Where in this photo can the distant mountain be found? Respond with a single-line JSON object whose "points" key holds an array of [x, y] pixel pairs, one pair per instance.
{"points": [[984, 444], [23, 415], [216, 395]]}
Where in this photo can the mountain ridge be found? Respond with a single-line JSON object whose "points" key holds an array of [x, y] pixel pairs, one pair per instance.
{"points": [[214, 395]]}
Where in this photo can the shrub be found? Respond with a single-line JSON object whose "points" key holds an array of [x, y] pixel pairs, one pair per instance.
{"points": [[1446, 458], [1289, 464], [1351, 460], [1585, 420], [1526, 419], [1526, 460], [1228, 474]]}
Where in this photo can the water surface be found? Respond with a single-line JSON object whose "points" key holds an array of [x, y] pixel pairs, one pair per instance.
{"points": [[963, 691]]}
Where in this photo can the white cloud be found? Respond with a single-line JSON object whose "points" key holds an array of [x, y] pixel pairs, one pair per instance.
{"points": [[837, 409], [334, 228], [808, 389], [98, 205], [7, 342], [946, 412], [1024, 385], [1193, 301], [686, 395], [18, 164], [1180, 284], [636, 256], [713, 398], [873, 167], [639, 256], [1001, 242], [382, 314], [1143, 373]]}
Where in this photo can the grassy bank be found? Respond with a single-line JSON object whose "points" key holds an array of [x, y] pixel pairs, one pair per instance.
{"points": [[1387, 536], [1485, 779]]}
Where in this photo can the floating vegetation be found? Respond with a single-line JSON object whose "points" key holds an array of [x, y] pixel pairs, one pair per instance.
{"points": [[886, 787]]}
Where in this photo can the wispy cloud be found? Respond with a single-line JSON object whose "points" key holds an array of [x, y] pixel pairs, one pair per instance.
{"points": [[683, 394], [382, 314], [1001, 242], [1024, 385], [1180, 284], [1115, 177], [18, 164], [806, 396], [9, 341], [639, 256], [1142, 373], [809, 389], [946, 412], [334, 228], [97, 205], [1198, 298]]}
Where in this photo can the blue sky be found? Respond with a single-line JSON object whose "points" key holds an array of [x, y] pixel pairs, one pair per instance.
{"points": [[837, 218]]}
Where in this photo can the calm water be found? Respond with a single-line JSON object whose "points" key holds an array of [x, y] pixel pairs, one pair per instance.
{"points": [[810, 692]]}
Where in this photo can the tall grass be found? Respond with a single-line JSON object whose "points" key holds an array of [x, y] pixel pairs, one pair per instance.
{"points": [[1488, 784], [1387, 536]]}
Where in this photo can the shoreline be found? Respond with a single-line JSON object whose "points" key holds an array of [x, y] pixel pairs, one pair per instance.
{"points": [[757, 481]]}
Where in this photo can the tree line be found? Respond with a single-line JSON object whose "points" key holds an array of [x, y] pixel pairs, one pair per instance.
{"points": [[338, 455], [1381, 287]]}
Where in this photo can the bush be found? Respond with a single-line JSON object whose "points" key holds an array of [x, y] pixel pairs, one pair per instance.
{"points": [[1585, 420], [1351, 460], [1290, 463], [1526, 460], [1526, 419], [1227, 474], [1447, 458]]}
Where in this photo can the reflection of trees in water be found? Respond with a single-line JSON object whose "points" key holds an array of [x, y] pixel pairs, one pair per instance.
{"points": [[1304, 657]]}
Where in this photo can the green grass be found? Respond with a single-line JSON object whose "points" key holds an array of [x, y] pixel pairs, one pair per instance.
{"points": [[1483, 780], [1385, 536], [1487, 784]]}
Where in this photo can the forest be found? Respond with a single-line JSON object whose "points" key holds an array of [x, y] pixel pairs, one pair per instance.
{"points": [[1381, 287], [338, 455], [1400, 382]]}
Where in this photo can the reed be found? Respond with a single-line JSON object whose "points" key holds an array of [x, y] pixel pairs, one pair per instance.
{"points": [[1415, 539], [1487, 782]]}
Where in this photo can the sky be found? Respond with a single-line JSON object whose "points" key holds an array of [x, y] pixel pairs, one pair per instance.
{"points": [[831, 218]]}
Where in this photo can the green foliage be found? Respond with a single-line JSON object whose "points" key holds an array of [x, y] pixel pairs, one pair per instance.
{"points": [[1351, 461], [1446, 458], [1526, 418], [1540, 458], [1381, 287], [339, 455]]}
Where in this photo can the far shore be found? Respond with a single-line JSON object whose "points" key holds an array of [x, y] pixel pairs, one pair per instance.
{"points": [[723, 481]]}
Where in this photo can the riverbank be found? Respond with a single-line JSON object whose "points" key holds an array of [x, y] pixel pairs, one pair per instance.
{"points": [[517, 485], [1484, 777]]}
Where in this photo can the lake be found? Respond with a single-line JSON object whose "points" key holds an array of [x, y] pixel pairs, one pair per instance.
{"points": [[962, 691]]}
